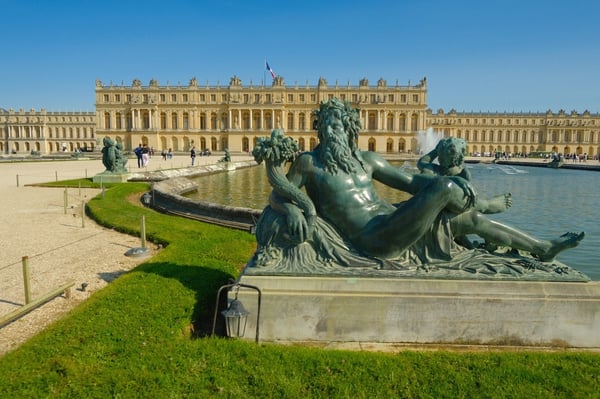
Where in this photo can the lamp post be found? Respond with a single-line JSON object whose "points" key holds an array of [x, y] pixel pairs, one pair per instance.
{"points": [[236, 315]]}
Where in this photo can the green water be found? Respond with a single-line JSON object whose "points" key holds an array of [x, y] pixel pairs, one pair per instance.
{"points": [[546, 202]]}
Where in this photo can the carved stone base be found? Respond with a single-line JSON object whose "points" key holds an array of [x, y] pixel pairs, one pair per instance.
{"points": [[370, 309], [110, 178]]}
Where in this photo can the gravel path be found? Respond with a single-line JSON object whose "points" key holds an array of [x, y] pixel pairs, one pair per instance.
{"points": [[59, 247]]}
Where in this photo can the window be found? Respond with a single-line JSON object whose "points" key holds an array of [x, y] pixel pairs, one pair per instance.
{"points": [[202, 97], [174, 97], [145, 98], [246, 98], [391, 98], [373, 99], [268, 98], [403, 98], [290, 98], [213, 98], [343, 97], [257, 98], [163, 98], [128, 98], [415, 98], [354, 98], [301, 98], [163, 120], [185, 98], [313, 98], [224, 98], [106, 98], [118, 98]]}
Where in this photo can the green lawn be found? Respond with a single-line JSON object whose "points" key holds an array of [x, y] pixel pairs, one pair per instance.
{"points": [[146, 335]]}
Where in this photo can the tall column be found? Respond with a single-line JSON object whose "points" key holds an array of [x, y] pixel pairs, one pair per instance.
{"points": [[262, 118]]}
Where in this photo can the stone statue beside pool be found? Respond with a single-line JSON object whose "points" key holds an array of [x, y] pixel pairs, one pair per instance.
{"points": [[115, 162], [112, 156], [325, 217]]}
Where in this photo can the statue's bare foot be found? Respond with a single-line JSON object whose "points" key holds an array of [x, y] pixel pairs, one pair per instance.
{"points": [[499, 203], [566, 241]]}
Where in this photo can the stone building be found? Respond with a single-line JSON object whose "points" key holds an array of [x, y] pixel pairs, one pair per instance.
{"points": [[233, 116], [522, 133], [42, 132]]}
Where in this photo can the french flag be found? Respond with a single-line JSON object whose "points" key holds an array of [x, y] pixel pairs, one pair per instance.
{"points": [[270, 70]]}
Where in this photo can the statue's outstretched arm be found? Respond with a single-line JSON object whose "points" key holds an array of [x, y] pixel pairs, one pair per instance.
{"points": [[425, 163]]}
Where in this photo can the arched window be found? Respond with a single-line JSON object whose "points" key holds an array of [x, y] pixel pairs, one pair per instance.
{"points": [[186, 120], [414, 122], [372, 144], [401, 145], [163, 120], [302, 122], [372, 121], [301, 144], [106, 120], [402, 122], [174, 121], [203, 121]]}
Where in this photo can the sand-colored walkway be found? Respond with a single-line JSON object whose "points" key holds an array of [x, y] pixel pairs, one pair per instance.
{"points": [[60, 248]]}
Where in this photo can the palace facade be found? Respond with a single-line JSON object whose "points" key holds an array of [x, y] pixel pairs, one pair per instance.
{"points": [[522, 133], [234, 116], [44, 132]]}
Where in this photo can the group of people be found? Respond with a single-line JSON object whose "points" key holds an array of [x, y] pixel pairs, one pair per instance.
{"points": [[167, 154], [194, 153], [143, 153]]}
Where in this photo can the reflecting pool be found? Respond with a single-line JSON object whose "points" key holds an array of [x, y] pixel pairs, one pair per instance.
{"points": [[546, 202]]}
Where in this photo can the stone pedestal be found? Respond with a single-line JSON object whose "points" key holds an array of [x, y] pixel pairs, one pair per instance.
{"points": [[363, 309], [110, 178]]}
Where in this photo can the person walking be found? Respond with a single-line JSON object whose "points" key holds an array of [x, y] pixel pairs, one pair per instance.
{"points": [[145, 155], [138, 154], [193, 154]]}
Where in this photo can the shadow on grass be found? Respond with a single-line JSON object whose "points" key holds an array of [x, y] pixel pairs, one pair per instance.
{"points": [[204, 282]]}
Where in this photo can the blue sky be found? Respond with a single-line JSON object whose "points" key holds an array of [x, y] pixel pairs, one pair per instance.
{"points": [[513, 55]]}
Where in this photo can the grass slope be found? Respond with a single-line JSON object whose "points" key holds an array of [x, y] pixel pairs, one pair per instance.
{"points": [[145, 336]]}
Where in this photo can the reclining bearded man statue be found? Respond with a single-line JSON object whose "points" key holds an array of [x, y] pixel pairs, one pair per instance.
{"points": [[356, 232]]}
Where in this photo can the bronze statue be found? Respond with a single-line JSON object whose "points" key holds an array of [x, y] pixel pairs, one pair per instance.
{"points": [[112, 156], [450, 153], [355, 228]]}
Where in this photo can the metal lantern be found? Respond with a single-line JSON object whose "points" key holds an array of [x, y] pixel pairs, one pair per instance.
{"points": [[236, 315], [235, 319]]}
